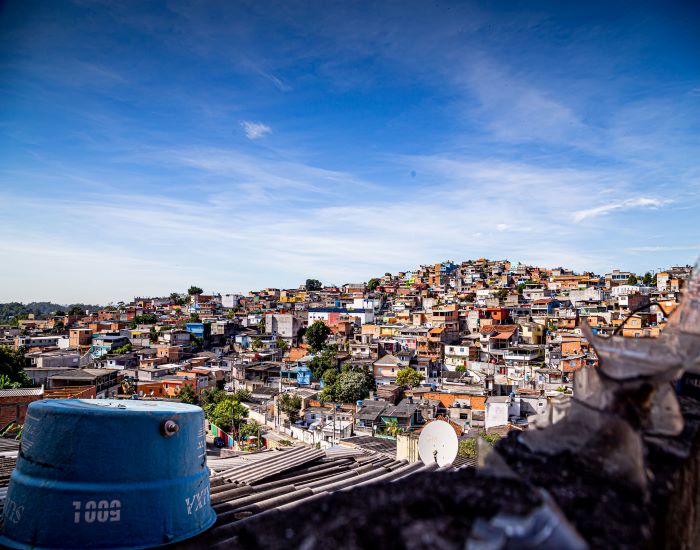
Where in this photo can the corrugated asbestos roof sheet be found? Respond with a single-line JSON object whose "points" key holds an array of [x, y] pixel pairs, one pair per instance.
{"points": [[372, 444], [9, 445], [286, 478], [22, 392]]}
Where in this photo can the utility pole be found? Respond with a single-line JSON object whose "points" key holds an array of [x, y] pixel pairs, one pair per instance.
{"points": [[335, 408]]}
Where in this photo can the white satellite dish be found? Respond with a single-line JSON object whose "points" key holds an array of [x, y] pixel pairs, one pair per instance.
{"points": [[438, 443]]}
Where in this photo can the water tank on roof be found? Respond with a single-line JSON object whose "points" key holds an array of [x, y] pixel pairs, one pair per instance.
{"points": [[107, 474]]}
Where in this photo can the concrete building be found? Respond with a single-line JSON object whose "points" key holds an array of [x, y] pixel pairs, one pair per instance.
{"points": [[104, 380], [41, 342], [79, 337], [283, 325], [497, 411], [53, 359]]}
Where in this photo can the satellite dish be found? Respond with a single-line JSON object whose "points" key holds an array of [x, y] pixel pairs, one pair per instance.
{"points": [[438, 444]]}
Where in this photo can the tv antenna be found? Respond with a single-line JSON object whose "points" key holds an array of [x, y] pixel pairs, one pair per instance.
{"points": [[438, 444]]}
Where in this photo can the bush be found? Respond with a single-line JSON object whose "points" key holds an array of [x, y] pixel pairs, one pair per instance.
{"points": [[408, 378], [468, 447]]}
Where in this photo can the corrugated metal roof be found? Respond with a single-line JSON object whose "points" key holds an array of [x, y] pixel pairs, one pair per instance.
{"points": [[22, 392]]}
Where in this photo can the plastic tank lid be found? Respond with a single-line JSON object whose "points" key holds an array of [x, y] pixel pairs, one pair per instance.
{"points": [[116, 405]]}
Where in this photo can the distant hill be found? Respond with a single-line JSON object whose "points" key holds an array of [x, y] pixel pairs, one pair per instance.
{"points": [[18, 310]]}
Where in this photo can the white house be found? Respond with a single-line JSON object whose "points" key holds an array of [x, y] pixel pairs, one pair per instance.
{"points": [[497, 411]]}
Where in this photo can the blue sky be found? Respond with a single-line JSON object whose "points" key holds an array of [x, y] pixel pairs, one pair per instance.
{"points": [[145, 147]]}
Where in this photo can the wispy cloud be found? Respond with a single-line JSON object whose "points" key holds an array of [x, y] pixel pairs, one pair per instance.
{"points": [[603, 209], [516, 110], [515, 136], [255, 130], [278, 83], [665, 248]]}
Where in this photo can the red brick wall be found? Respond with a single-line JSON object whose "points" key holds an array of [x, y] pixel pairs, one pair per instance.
{"points": [[15, 408]]}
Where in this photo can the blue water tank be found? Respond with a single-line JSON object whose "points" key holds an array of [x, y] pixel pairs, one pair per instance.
{"points": [[108, 474]]}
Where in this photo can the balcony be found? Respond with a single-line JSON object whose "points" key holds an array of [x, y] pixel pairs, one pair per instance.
{"points": [[522, 355]]}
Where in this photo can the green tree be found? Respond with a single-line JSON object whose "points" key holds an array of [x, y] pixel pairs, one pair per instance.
{"points": [[177, 298], [256, 344], [316, 335], [502, 294], [194, 291], [351, 386], [281, 344], [76, 310], [146, 319], [153, 334], [408, 378], [313, 284], [196, 341], [12, 363], [322, 362], [647, 279], [632, 280], [330, 377], [372, 285], [461, 368], [194, 318], [188, 395], [209, 398], [290, 404], [250, 429], [226, 411], [7, 384], [470, 297], [242, 395]]}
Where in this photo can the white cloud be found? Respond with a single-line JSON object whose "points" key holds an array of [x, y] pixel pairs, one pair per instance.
{"points": [[255, 130], [310, 221], [665, 248], [641, 202], [514, 110]]}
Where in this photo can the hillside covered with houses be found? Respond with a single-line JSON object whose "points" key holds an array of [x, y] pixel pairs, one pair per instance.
{"points": [[489, 346]]}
